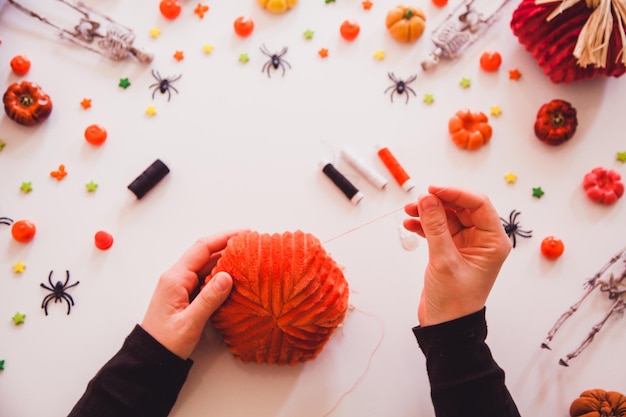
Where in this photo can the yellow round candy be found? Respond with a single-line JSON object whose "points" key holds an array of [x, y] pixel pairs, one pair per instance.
{"points": [[277, 6]]}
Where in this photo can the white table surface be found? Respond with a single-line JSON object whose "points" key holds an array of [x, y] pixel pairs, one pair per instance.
{"points": [[243, 150]]}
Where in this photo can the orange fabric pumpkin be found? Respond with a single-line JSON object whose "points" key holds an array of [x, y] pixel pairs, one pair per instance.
{"points": [[469, 130], [598, 403], [288, 297], [406, 24]]}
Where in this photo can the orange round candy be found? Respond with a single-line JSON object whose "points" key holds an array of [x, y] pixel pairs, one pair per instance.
{"points": [[440, 3], [349, 29], [20, 64], [552, 247], [95, 134], [490, 61], [23, 231], [243, 26], [170, 9], [103, 240]]}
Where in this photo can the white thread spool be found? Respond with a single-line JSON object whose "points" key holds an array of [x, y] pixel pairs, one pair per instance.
{"points": [[371, 175]]}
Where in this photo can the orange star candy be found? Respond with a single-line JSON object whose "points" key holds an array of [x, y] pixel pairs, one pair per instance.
{"points": [[367, 4], [323, 52], [179, 56], [86, 103], [515, 74], [60, 174], [201, 9]]}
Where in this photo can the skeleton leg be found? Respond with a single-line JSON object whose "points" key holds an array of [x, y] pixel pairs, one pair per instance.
{"points": [[590, 285], [617, 307], [567, 314]]}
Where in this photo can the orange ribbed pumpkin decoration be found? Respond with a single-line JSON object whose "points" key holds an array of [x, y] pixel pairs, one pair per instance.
{"points": [[566, 43], [288, 297], [598, 403]]}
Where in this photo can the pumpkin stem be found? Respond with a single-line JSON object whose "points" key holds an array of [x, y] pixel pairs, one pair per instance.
{"points": [[26, 101], [593, 41], [557, 119], [408, 14]]}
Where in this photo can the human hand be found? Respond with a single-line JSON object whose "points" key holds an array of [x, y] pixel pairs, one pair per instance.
{"points": [[467, 246], [172, 318]]}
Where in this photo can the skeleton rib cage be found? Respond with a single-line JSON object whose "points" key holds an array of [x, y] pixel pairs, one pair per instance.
{"points": [[614, 287]]}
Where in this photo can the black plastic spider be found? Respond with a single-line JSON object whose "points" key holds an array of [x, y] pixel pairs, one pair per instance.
{"points": [[400, 86], [276, 60], [6, 220], [512, 227], [164, 85], [58, 292]]}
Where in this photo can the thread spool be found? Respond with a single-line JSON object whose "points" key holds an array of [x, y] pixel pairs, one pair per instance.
{"points": [[346, 187], [370, 174], [396, 170], [149, 178]]}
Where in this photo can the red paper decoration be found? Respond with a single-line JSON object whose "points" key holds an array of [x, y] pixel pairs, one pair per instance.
{"points": [[563, 38], [288, 297]]}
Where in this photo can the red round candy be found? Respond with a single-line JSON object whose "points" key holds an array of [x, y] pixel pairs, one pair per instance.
{"points": [[243, 26], [170, 9], [349, 29], [20, 64], [23, 230], [552, 247], [95, 134], [490, 61], [103, 240]]}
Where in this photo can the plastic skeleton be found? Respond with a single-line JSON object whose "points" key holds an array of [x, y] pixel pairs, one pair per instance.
{"points": [[459, 30], [614, 288], [116, 42]]}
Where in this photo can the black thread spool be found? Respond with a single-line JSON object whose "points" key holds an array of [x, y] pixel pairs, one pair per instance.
{"points": [[149, 178], [346, 187]]}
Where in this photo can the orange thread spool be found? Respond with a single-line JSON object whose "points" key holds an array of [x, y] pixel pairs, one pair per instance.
{"points": [[396, 170]]}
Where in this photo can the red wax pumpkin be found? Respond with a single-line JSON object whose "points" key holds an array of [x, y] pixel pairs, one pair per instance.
{"points": [[288, 297], [598, 403], [603, 186], [555, 41], [26, 103], [556, 122]]}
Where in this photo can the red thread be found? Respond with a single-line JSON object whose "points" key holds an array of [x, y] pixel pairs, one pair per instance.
{"points": [[397, 171]]}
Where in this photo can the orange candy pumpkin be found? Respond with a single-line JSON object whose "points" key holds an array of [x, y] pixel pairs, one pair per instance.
{"points": [[598, 403], [288, 297], [469, 130], [277, 6], [405, 23]]}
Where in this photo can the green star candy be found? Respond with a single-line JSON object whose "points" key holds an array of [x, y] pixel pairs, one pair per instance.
{"points": [[329, 1], [465, 82], [1, 364], [308, 34], [91, 186], [18, 318], [244, 58], [26, 187], [2, 145], [621, 156], [429, 98], [124, 83], [538, 192]]}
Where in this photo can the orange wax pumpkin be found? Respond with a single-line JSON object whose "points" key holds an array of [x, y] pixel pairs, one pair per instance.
{"points": [[26, 103], [469, 130], [406, 24], [288, 297], [277, 6]]}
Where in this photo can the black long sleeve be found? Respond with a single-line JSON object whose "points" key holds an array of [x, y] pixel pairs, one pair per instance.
{"points": [[142, 379], [464, 378]]}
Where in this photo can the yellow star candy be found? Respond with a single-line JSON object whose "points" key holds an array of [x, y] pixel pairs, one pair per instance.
{"points": [[19, 267], [496, 111], [379, 55], [510, 178], [151, 111], [155, 32], [207, 48]]}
